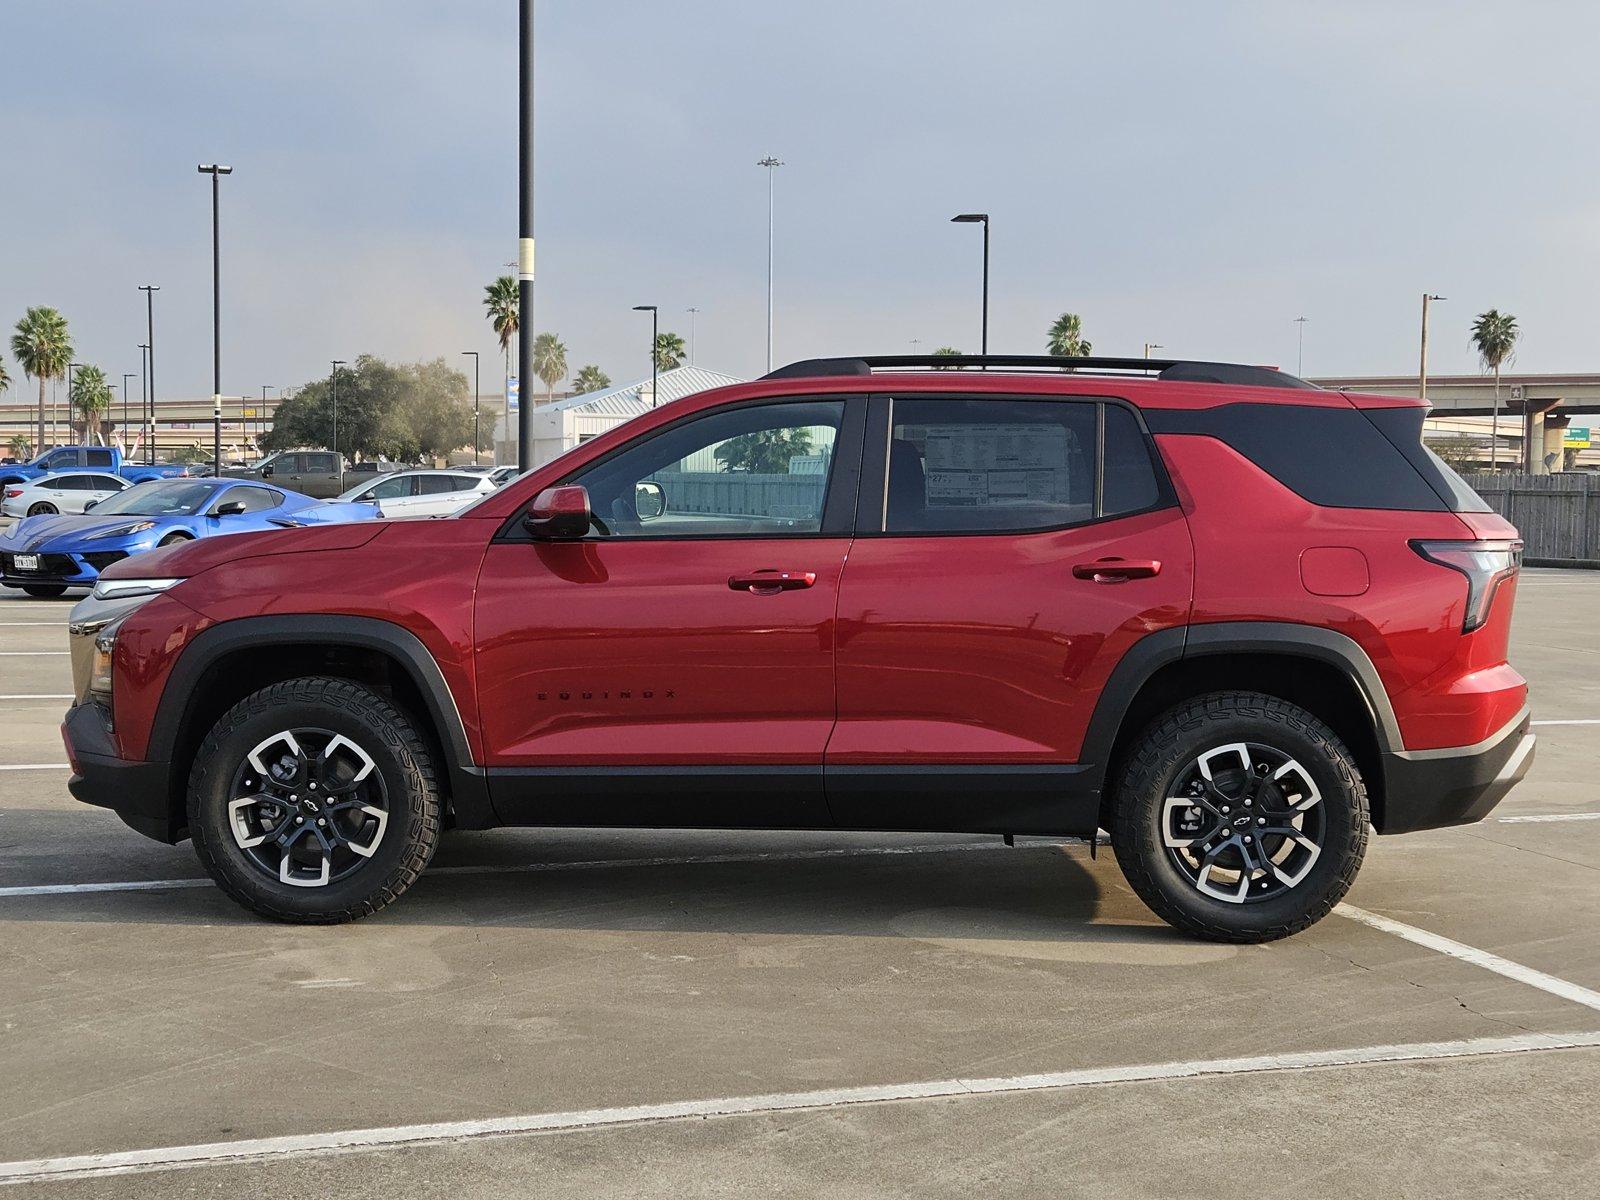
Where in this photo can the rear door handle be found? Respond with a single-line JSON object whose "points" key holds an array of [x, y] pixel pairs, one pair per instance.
{"points": [[770, 582], [1117, 570]]}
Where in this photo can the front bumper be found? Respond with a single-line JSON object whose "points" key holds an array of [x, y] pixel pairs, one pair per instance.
{"points": [[138, 792], [1431, 789], [55, 567]]}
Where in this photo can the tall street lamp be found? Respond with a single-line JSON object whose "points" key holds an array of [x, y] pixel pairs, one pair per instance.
{"points": [[974, 219], [1422, 370], [54, 436], [1149, 346], [337, 363], [477, 437], [525, 130], [1300, 354], [654, 333], [771, 164], [123, 428], [144, 392], [691, 311], [149, 291], [216, 171], [261, 417]]}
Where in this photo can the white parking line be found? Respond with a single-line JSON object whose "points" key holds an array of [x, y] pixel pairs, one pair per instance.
{"points": [[35, 624], [34, 653], [38, 696], [35, 767], [1548, 817], [251, 1150], [1580, 721], [1478, 958]]}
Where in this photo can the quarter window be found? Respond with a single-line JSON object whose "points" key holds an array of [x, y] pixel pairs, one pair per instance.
{"points": [[761, 470], [436, 485], [98, 458]]}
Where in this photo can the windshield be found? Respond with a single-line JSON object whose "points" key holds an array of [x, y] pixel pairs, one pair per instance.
{"points": [[158, 498]]}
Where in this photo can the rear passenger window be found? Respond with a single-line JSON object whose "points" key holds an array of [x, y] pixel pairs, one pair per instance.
{"points": [[98, 458], [986, 466], [436, 485]]}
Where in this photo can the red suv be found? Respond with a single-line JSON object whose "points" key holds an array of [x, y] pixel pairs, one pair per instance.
{"points": [[1225, 615]]}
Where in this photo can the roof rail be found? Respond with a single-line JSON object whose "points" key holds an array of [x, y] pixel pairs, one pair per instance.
{"points": [[1171, 369]]}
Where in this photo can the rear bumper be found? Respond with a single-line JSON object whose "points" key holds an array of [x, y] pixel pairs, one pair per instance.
{"points": [[136, 791], [1431, 789]]}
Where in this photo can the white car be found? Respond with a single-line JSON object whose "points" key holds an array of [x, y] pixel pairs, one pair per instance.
{"points": [[420, 493], [62, 492]]}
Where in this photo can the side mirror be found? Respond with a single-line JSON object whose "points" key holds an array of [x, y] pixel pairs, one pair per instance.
{"points": [[231, 508], [559, 514], [649, 500], [90, 505], [266, 471]]}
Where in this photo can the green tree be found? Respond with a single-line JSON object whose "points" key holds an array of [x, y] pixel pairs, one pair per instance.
{"points": [[42, 347], [1460, 450], [504, 303], [190, 455], [90, 396], [20, 447], [1065, 338], [1494, 337], [590, 379], [549, 362], [405, 412], [5, 378], [765, 452], [670, 351], [946, 352]]}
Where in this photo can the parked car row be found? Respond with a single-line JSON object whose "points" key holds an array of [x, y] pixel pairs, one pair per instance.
{"points": [[105, 459]]}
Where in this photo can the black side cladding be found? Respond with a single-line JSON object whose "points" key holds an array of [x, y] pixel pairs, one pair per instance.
{"points": [[1334, 457]]}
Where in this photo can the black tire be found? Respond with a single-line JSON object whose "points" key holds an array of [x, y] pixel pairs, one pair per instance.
{"points": [[42, 509], [172, 539], [404, 769], [1167, 753], [44, 591]]}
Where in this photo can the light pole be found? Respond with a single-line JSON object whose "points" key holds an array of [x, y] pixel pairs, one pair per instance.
{"points": [[1300, 354], [524, 235], [1149, 346], [71, 367], [477, 437], [974, 219], [1422, 369], [144, 392], [123, 428], [691, 311], [216, 171], [150, 291], [654, 333], [771, 164], [334, 376], [261, 417]]}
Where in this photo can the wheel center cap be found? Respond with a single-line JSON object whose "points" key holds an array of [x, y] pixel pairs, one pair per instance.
{"points": [[309, 804], [1241, 822]]}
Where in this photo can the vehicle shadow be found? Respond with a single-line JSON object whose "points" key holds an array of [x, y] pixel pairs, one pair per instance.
{"points": [[930, 889]]}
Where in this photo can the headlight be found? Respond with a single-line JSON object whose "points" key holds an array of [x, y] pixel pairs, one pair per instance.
{"points": [[123, 530], [105, 645], [117, 589]]}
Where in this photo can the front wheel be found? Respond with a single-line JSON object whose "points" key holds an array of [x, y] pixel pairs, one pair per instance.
{"points": [[172, 539], [1240, 818], [314, 800]]}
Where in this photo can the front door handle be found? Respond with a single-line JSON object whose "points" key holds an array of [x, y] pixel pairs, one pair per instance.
{"points": [[1117, 570], [770, 582]]}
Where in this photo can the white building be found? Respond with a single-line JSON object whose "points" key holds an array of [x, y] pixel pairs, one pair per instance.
{"points": [[565, 423]]}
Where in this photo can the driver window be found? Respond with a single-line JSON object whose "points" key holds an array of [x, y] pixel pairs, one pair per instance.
{"points": [[756, 471]]}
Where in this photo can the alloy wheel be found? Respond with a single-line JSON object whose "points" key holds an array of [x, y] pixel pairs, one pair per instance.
{"points": [[1243, 822], [308, 807]]}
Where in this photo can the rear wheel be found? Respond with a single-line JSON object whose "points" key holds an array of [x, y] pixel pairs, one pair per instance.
{"points": [[41, 508], [44, 591], [314, 800], [1240, 818]]}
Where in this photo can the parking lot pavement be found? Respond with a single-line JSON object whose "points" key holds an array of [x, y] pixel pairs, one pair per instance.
{"points": [[535, 976]]}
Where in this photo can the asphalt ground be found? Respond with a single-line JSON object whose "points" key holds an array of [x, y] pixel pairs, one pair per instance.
{"points": [[597, 1013]]}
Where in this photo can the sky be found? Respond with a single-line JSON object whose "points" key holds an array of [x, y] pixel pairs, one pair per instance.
{"points": [[1191, 174]]}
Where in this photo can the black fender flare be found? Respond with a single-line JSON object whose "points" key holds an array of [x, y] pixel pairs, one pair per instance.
{"points": [[469, 790], [1156, 650]]}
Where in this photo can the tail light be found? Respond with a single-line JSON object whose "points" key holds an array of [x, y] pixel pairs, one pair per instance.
{"points": [[13, 493], [1486, 565]]}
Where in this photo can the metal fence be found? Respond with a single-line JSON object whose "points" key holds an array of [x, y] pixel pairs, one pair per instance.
{"points": [[1557, 515]]}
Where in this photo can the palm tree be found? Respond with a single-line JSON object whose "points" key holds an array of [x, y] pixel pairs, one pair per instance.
{"points": [[590, 379], [549, 362], [5, 378], [670, 351], [1065, 338], [946, 352], [504, 303], [91, 396], [43, 349], [1494, 337], [20, 447]]}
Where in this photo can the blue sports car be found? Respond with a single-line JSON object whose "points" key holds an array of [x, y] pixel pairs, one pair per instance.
{"points": [[46, 555]]}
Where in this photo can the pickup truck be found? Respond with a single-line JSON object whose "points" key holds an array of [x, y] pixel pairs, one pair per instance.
{"points": [[317, 473], [99, 458]]}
